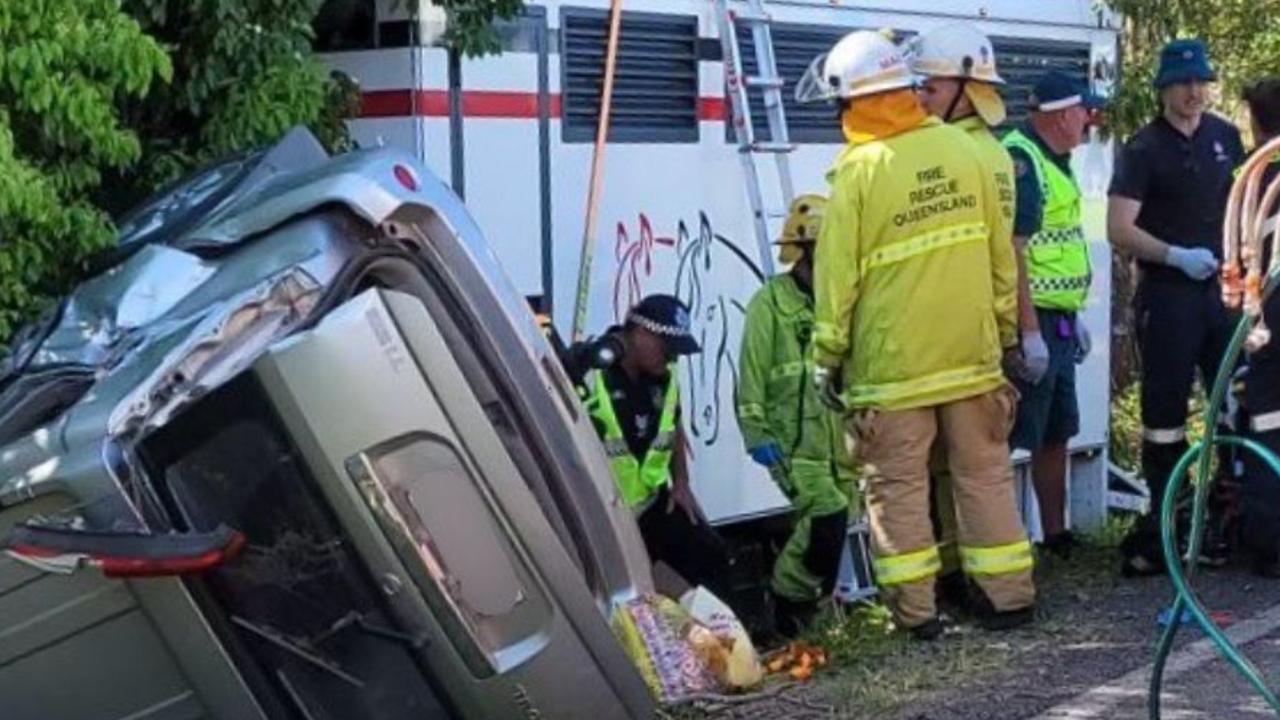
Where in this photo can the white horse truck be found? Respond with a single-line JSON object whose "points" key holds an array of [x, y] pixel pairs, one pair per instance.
{"points": [[514, 132]]}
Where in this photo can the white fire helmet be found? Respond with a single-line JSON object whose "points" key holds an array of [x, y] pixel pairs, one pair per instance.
{"points": [[862, 63], [957, 50]]}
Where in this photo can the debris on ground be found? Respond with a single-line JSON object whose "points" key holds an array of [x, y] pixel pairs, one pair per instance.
{"points": [[792, 700], [798, 660]]}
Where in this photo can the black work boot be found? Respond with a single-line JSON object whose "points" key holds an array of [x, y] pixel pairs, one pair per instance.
{"points": [[791, 617], [953, 593], [1000, 620], [1141, 550], [928, 631], [989, 618], [1061, 545]]}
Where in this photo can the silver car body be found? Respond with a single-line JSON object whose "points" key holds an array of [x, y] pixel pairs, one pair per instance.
{"points": [[333, 338]]}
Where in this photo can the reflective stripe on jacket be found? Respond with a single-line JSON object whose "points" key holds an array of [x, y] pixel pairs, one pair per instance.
{"points": [[915, 292]]}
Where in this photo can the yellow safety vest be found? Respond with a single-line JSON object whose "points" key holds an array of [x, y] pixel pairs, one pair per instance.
{"points": [[1058, 267], [638, 478]]}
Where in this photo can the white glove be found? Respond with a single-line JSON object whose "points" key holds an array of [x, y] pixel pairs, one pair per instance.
{"points": [[1035, 356], [828, 381], [1084, 341], [1195, 263]]}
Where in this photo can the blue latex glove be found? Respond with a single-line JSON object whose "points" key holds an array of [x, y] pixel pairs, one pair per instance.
{"points": [[769, 454], [1035, 357], [1195, 263], [1166, 616], [1084, 341]]}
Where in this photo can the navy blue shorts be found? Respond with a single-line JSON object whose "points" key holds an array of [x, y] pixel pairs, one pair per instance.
{"points": [[1048, 413]]}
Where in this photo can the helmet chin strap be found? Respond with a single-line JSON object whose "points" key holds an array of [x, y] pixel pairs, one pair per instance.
{"points": [[964, 80]]}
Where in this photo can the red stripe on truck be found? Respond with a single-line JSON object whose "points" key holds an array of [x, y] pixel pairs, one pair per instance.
{"points": [[711, 108], [484, 104]]}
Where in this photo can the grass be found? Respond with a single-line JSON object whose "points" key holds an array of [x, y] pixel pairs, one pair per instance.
{"points": [[1112, 532], [876, 669]]}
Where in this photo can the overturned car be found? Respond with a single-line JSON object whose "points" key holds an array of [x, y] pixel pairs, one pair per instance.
{"points": [[298, 451]]}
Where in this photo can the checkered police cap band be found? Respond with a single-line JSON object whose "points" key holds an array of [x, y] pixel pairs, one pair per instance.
{"points": [[657, 328]]}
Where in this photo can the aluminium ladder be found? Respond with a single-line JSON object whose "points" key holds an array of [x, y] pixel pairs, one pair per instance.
{"points": [[856, 578], [751, 13]]}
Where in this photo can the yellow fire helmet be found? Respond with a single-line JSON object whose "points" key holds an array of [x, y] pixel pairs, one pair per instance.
{"points": [[804, 220]]}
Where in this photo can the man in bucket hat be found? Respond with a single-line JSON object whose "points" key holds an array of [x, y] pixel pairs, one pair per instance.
{"points": [[1167, 201]]}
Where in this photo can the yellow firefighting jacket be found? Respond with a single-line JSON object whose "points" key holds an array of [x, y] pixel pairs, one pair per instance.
{"points": [[995, 158], [916, 292]]}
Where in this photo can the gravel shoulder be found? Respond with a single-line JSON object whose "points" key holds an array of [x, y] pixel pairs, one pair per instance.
{"points": [[1092, 627]]}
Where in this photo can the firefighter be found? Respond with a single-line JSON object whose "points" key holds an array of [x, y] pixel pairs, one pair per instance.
{"points": [[628, 382], [789, 431], [915, 299], [956, 65], [1261, 523], [1166, 206], [1048, 224]]}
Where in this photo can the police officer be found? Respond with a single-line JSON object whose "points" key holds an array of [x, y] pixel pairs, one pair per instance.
{"points": [[915, 299], [1049, 225], [1167, 201], [789, 431], [1261, 527], [630, 387]]}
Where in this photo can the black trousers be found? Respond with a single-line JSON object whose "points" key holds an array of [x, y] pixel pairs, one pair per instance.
{"points": [[1182, 327], [1260, 528], [695, 550]]}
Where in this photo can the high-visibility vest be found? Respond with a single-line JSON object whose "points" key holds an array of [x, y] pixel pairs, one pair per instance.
{"points": [[638, 478], [1058, 267]]}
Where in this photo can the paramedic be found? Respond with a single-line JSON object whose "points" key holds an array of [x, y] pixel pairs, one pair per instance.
{"points": [[1167, 201], [1049, 224], [789, 431], [1261, 527], [915, 297], [958, 78], [633, 396]]}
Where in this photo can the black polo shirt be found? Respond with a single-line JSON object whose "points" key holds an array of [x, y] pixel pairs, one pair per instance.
{"points": [[1029, 214], [1182, 182]]}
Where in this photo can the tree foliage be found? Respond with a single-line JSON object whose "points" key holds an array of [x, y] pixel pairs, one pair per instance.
{"points": [[470, 29], [1243, 40], [102, 101], [65, 66], [243, 74]]}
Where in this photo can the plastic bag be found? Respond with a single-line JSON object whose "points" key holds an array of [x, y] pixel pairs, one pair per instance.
{"points": [[721, 641], [653, 630]]}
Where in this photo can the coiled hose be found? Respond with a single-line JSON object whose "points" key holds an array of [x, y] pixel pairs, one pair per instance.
{"points": [[1244, 231]]}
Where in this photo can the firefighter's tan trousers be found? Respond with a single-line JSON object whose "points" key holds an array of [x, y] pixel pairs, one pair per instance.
{"points": [[894, 447]]}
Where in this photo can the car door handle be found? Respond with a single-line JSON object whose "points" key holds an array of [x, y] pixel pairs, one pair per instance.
{"points": [[122, 553]]}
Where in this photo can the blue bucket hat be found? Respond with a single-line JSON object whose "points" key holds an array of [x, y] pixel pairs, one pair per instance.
{"points": [[1183, 61], [668, 318], [1057, 90]]}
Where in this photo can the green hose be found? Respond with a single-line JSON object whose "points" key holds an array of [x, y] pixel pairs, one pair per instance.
{"points": [[1186, 598]]}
